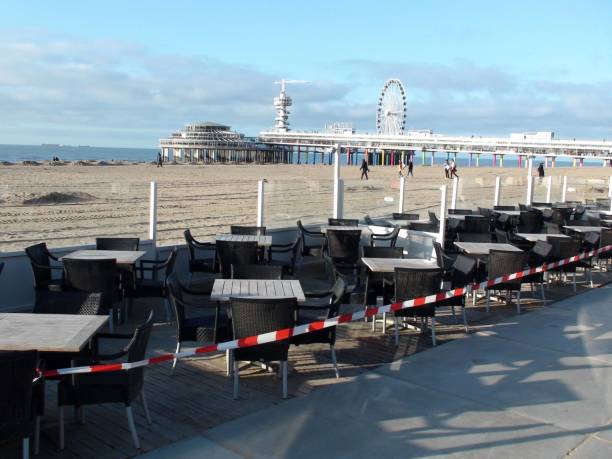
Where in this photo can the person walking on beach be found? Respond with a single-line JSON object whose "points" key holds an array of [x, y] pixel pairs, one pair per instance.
{"points": [[160, 160], [541, 172], [410, 166], [446, 169], [400, 168], [364, 169], [453, 169]]}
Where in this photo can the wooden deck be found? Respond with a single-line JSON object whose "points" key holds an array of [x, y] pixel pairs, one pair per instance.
{"points": [[199, 395]]}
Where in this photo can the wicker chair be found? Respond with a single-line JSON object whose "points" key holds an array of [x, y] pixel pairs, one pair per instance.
{"points": [[443, 259], [288, 264], [473, 237], [155, 286], [40, 260], [200, 264], [504, 208], [248, 230], [117, 243], [501, 236], [111, 387], [342, 222], [589, 243], [95, 276], [412, 283], [306, 235], [462, 273], [254, 316], [564, 248], [530, 222], [390, 238], [70, 302], [433, 219], [236, 253], [605, 239], [404, 216], [538, 255], [308, 312], [475, 224], [343, 247], [257, 272], [501, 263], [18, 414], [459, 212]]}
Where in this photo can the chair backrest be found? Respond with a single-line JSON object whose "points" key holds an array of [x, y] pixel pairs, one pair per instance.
{"points": [[338, 292], [484, 211], [390, 238], [383, 252], [368, 220], [253, 316], [439, 254], [344, 244], [501, 235], [342, 222], [501, 263], [136, 351], [117, 243], [415, 282], [551, 228], [170, 263], [39, 256], [235, 253], [257, 272], [95, 276], [473, 237], [18, 370], [404, 216], [539, 254], [189, 240], [473, 224], [530, 222], [504, 208], [432, 217], [541, 204], [560, 215], [605, 238], [563, 247], [463, 271], [69, 302], [590, 241], [459, 212], [248, 230]]}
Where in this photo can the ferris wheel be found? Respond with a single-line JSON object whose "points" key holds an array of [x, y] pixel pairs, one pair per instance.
{"points": [[391, 113]]}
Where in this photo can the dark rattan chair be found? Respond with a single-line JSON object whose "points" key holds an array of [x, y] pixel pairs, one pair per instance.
{"points": [[117, 243], [539, 254], [501, 236], [110, 387], [564, 248], [40, 260], [254, 316], [504, 207], [605, 239], [236, 253], [475, 224], [404, 216], [343, 248], [501, 263], [443, 259], [342, 222], [309, 312], [199, 264], [212, 327], [459, 212], [412, 283], [292, 250], [389, 238], [95, 276], [17, 407], [257, 272], [530, 222], [155, 286], [473, 237], [462, 273], [248, 230], [307, 236]]}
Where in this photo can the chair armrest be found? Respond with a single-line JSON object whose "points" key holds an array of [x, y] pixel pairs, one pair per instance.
{"points": [[313, 233], [317, 294]]}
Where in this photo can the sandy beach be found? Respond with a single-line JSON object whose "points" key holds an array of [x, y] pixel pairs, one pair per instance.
{"points": [[72, 204]]}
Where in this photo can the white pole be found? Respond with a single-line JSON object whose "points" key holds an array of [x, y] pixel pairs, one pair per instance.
{"points": [[260, 202], [610, 187], [401, 194], [153, 214], [454, 195], [340, 199], [497, 191], [337, 205], [529, 181], [442, 215], [548, 187], [564, 189]]}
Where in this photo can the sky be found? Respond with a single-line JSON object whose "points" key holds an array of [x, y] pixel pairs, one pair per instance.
{"points": [[125, 74]]}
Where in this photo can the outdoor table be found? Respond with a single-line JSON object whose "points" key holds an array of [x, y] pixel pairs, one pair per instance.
{"points": [[224, 289], [535, 237], [511, 213], [48, 332], [402, 223], [123, 257], [484, 248], [462, 216], [262, 241], [388, 265], [324, 228], [584, 229]]}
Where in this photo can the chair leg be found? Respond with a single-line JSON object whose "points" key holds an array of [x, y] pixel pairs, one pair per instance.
{"points": [[453, 311], [433, 331], [178, 349], [111, 318], [145, 405], [574, 281], [284, 371], [61, 427], [488, 300], [591, 277], [37, 436], [168, 310], [543, 293], [130, 417], [518, 302], [332, 348], [236, 378], [396, 330], [384, 324]]}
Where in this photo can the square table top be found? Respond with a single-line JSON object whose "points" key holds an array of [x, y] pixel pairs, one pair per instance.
{"points": [[262, 241], [388, 265], [512, 213], [535, 237], [584, 229], [48, 332], [403, 222], [324, 228], [224, 289], [483, 248], [123, 257], [462, 217]]}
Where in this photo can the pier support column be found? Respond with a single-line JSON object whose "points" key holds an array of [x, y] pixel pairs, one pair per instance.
{"points": [[553, 161], [520, 161], [349, 159], [299, 158], [501, 160], [422, 157], [581, 162], [433, 159], [455, 157], [470, 161], [494, 160], [477, 159]]}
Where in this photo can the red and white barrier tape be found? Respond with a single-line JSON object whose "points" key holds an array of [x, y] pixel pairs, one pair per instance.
{"points": [[281, 335]]}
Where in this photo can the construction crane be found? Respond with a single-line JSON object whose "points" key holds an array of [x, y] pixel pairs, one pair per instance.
{"points": [[282, 104]]}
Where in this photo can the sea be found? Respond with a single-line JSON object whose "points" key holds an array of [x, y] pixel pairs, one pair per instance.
{"points": [[19, 153]]}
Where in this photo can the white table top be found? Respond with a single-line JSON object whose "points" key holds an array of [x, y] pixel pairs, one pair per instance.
{"points": [[535, 237], [462, 217], [123, 257], [262, 241], [224, 289], [403, 222], [512, 213], [47, 332], [483, 248], [388, 265], [584, 229], [324, 228]]}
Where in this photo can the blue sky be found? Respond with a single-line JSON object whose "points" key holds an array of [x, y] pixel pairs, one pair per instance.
{"points": [[126, 73]]}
